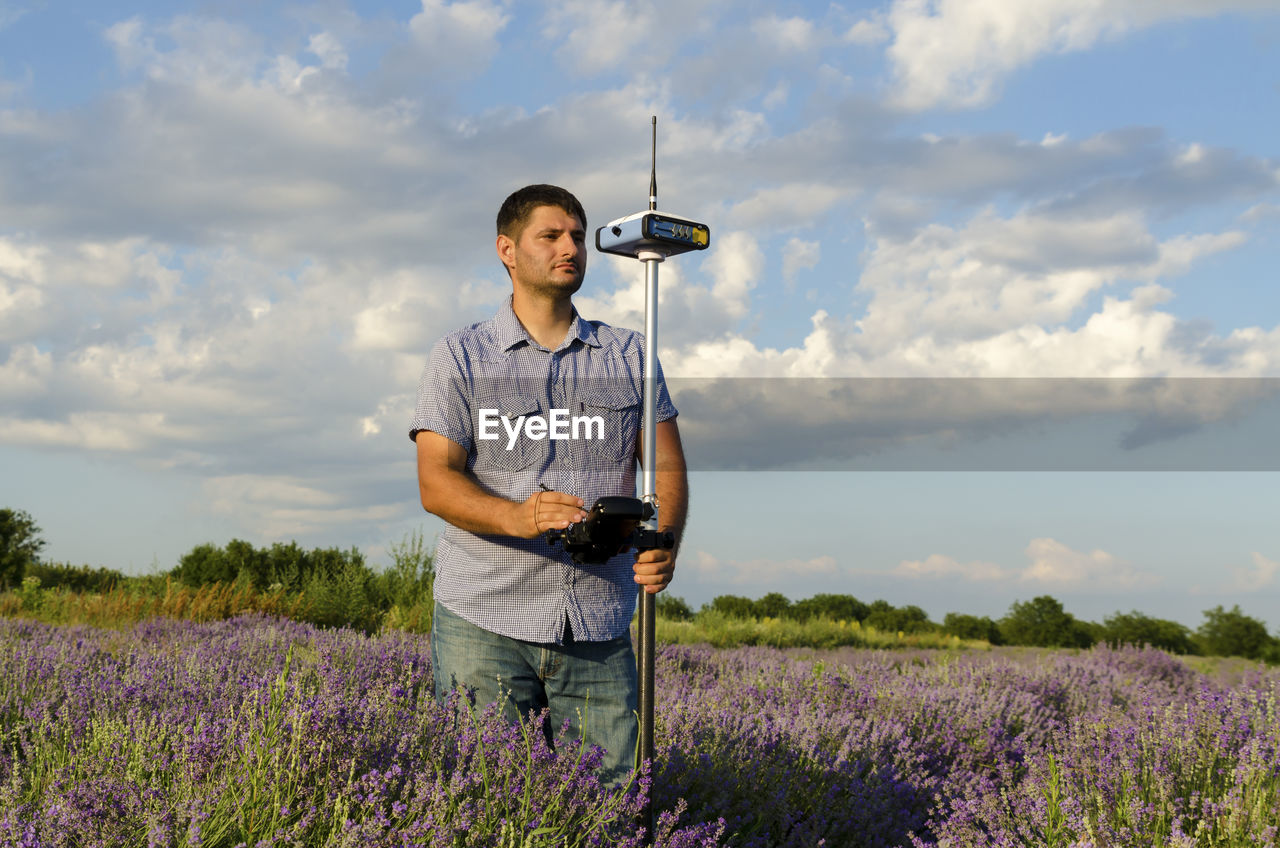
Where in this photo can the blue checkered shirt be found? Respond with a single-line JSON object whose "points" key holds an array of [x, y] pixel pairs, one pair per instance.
{"points": [[525, 588]]}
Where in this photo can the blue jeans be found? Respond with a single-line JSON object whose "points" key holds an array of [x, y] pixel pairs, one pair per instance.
{"points": [[590, 684]]}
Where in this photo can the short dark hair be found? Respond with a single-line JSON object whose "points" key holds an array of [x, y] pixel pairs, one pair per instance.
{"points": [[516, 209]]}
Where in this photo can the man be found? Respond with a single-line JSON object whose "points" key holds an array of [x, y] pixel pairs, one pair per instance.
{"points": [[502, 459]]}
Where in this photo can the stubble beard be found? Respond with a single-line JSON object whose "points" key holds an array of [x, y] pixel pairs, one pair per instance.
{"points": [[545, 284]]}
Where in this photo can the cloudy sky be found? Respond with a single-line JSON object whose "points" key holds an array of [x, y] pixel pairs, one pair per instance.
{"points": [[991, 309]]}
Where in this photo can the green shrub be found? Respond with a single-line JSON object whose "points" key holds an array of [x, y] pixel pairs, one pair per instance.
{"points": [[972, 627], [772, 605], [347, 599], [731, 606], [722, 631], [834, 607], [286, 566], [206, 564], [1134, 628], [673, 608], [75, 578], [338, 588], [408, 585], [20, 546], [1043, 623], [1233, 634], [885, 617]]}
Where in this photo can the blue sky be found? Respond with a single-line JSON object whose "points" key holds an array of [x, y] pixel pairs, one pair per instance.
{"points": [[230, 232]]}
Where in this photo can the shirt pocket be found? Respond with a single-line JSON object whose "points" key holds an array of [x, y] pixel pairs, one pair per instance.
{"points": [[620, 411], [504, 412]]}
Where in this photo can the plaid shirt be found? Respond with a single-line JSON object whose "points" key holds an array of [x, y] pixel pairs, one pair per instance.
{"points": [[490, 379]]}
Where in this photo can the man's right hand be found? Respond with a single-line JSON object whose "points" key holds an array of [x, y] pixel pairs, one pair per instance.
{"points": [[543, 511]]}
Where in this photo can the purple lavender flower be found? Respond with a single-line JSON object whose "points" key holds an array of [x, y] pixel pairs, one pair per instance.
{"points": [[261, 731]]}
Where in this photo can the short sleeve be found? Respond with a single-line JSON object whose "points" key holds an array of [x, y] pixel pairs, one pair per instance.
{"points": [[444, 403], [664, 407]]}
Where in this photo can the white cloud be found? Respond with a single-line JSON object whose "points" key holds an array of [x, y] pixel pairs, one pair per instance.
{"points": [[940, 566], [777, 96], [823, 352], [799, 204], [328, 50], [199, 368], [44, 285], [26, 372], [598, 36], [1179, 253], [867, 32], [391, 412], [201, 48], [1260, 212], [10, 13], [998, 297], [799, 255], [459, 35], [788, 35], [282, 507], [958, 52], [735, 267], [222, 145], [130, 42], [1052, 566], [257, 489], [1262, 575], [603, 35], [997, 275], [100, 431]]}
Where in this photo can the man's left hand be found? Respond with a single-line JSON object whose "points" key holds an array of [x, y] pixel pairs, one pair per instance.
{"points": [[654, 569]]}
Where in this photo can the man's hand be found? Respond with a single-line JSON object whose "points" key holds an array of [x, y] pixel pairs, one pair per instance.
{"points": [[543, 511], [451, 492], [654, 569]]}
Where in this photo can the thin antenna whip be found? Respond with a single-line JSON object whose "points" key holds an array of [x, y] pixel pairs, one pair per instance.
{"points": [[653, 172]]}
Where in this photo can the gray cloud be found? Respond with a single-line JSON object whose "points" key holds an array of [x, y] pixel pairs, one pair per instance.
{"points": [[956, 424]]}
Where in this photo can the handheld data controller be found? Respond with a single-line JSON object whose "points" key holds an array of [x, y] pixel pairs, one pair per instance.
{"points": [[610, 528]]}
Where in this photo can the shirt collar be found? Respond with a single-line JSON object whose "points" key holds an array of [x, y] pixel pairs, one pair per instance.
{"points": [[510, 332]]}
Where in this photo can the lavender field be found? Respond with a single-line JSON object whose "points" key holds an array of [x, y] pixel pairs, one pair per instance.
{"points": [[263, 732]]}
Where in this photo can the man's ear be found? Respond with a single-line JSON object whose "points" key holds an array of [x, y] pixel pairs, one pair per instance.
{"points": [[506, 251]]}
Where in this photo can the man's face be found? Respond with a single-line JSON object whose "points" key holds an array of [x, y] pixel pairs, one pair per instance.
{"points": [[550, 256]]}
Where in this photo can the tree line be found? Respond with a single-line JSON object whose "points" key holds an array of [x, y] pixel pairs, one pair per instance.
{"points": [[342, 589], [1040, 622], [335, 587]]}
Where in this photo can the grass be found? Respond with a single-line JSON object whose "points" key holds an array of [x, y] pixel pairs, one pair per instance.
{"points": [[126, 605], [139, 599], [721, 631], [398, 597]]}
